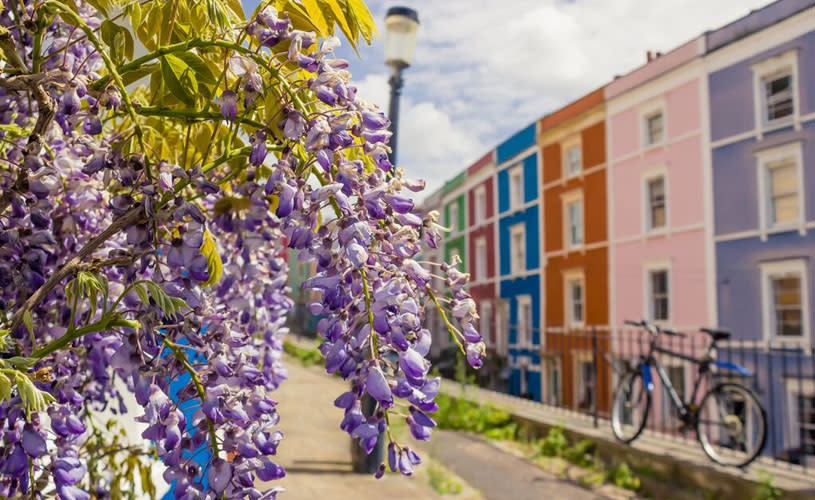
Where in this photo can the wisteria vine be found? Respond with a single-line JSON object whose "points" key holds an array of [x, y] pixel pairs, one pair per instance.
{"points": [[146, 206]]}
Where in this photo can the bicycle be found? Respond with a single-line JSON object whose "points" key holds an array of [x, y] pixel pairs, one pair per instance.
{"points": [[730, 423]]}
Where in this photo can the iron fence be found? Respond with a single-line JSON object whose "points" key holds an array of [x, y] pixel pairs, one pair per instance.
{"points": [[575, 370]]}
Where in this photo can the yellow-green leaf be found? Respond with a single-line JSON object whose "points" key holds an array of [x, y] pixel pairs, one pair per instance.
{"points": [[173, 72], [214, 265]]}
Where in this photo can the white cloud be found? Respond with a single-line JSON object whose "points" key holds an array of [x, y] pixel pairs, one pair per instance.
{"points": [[429, 140], [486, 68]]}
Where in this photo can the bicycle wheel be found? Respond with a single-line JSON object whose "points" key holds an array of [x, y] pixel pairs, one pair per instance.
{"points": [[629, 411], [731, 425]]}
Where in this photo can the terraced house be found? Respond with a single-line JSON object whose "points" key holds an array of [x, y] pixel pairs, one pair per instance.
{"points": [[455, 219], [519, 256], [762, 124], [575, 245], [482, 265]]}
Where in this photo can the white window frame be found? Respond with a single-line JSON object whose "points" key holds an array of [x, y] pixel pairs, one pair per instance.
{"points": [[568, 199], [485, 321], [647, 222], [515, 267], [569, 146], [516, 172], [579, 358], [774, 67], [481, 257], [524, 327], [646, 113], [765, 160], [570, 278], [794, 388], [668, 408], [480, 202], [452, 211], [552, 395], [501, 320], [770, 270], [651, 267]]}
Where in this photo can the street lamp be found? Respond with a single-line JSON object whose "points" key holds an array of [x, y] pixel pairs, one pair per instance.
{"points": [[401, 27]]}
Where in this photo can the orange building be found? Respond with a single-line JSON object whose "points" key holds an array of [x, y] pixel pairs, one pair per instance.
{"points": [[575, 370]]}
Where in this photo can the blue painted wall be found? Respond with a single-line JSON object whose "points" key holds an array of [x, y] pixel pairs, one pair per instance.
{"points": [[529, 218], [520, 141]]}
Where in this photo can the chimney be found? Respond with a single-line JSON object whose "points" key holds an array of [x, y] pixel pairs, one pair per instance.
{"points": [[649, 56]]}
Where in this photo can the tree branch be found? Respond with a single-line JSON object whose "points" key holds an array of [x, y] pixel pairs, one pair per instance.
{"points": [[73, 265]]}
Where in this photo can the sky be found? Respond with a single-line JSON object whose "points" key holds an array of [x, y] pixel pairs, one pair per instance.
{"points": [[486, 68]]}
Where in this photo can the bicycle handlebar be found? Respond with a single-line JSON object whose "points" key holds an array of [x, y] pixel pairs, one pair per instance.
{"points": [[654, 329]]}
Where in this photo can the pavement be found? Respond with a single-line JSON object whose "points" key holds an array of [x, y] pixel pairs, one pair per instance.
{"points": [[499, 475], [316, 453], [316, 456]]}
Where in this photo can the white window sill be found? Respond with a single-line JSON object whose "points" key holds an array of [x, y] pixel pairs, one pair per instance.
{"points": [[646, 148], [780, 123]]}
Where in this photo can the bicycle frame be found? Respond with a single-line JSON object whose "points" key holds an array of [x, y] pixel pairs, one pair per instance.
{"points": [[705, 363]]}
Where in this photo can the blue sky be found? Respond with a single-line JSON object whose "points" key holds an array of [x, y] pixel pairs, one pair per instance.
{"points": [[486, 68]]}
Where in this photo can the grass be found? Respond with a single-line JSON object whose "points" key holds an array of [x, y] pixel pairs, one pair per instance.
{"points": [[308, 357], [441, 483]]}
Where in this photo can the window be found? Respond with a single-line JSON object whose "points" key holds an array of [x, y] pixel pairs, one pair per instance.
{"points": [[655, 203], [485, 321], [573, 214], [481, 258], [801, 415], [585, 385], [573, 160], [516, 187], [654, 128], [517, 249], [524, 320], [524, 383], [780, 180], [453, 212], [500, 322], [784, 291], [778, 97], [552, 382], [676, 375], [782, 184], [480, 204], [775, 84], [659, 305], [575, 299]]}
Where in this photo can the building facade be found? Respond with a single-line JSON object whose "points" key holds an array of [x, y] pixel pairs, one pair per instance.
{"points": [[433, 320], [762, 126], [519, 256], [575, 247], [454, 196]]}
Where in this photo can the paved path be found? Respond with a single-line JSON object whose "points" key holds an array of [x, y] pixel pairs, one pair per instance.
{"points": [[499, 475], [315, 452]]}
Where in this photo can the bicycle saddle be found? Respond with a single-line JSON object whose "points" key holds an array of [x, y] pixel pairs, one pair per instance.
{"points": [[716, 333]]}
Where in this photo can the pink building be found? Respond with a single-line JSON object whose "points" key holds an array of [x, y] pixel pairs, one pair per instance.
{"points": [[661, 253]]}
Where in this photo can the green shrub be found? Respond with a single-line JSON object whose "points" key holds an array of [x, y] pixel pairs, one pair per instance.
{"points": [[464, 415], [554, 444], [623, 477], [582, 453], [442, 484], [307, 357], [766, 488]]}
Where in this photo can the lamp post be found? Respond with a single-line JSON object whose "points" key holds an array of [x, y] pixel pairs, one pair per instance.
{"points": [[401, 27]]}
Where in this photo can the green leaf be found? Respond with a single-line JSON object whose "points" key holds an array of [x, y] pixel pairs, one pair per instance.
{"points": [[214, 264], [33, 398], [173, 72], [361, 16], [29, 322], [338, 16], [119, 39], [5, 388], [317, 16]]}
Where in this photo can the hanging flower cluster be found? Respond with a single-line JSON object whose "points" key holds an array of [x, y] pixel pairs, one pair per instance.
{"points": [[143, 235]]}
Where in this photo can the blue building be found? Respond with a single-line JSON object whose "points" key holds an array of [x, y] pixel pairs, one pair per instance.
{"points": [[761, 84], [519, 222]]}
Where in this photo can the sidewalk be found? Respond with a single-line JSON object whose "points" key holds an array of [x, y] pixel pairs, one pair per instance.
{"points": [[316, 453], [684, 454]]}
